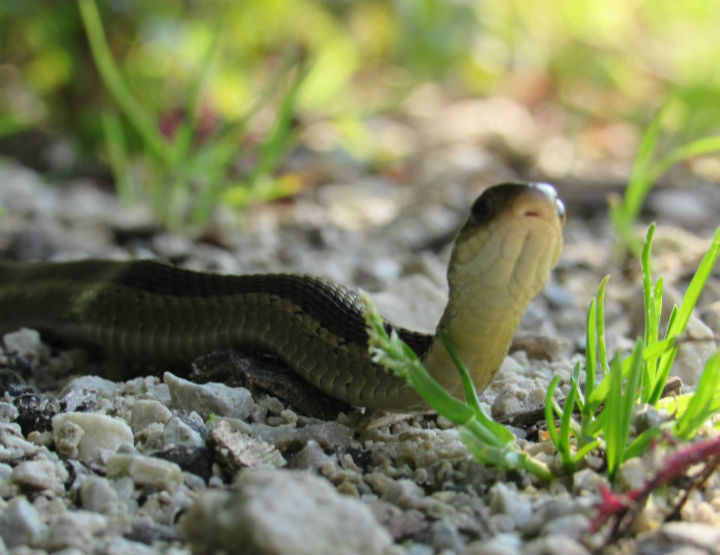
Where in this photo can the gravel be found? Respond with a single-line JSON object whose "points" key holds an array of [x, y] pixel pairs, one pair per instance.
{"points": [[160, 465]]}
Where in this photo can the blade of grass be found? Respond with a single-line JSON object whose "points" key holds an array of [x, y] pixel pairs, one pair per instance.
{"points": [[550, 417], [186, 130], [624, 213], [619, 406], [279, 137], [638, 445], [679, 322], [118, 158], [652, 316], [600, 325], [590, 355], [222, 148], [115, 84], [638, 184], [645, 173], [471, 397], [700, 407]]}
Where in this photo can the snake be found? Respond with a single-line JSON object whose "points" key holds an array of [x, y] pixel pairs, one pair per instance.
{"points": [[156, 313]]}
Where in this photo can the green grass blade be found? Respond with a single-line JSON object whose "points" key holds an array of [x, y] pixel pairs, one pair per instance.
{"points": [[652, 315], [280, 135], [471, 397], [638, 445], [624, 213], [469, 390], [186, 131], [701, 404], [698, 147], [638, 184], [503, 457], [550, 412], [569, 406], [649, 303], [658, 349], [679, 322], [590, 352], [619, 406], [613, 417], [600, 325], [113, 80], [118, 158]]}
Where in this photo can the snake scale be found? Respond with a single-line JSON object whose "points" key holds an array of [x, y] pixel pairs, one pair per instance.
{"points": [[152, 312]]}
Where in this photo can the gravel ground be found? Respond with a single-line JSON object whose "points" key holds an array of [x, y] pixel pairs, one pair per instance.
{"points": [[158, 464]]}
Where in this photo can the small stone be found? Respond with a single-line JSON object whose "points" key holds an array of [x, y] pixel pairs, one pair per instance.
{"points": [[401, 524], [12, 445], [549, 510], [328, 435], [146, 412], [84, 389], [633, 473], [310, 457], [117, 545], [35, 413], [210, 398], [197, 460], [178, 432], [74, 530], [442, 535], [90, 435], [587, 480], [506, 500], [41, 474], [237, 451], [276, 511], [6, 489], [554, 544], [149, 471], [20, 523], [696, 534], [147, 532], [539, 347], [573, 526], [25, 343], [150, 437], [404, 493], [8, 412], [98, 495], [505, 406], [501, 544]]}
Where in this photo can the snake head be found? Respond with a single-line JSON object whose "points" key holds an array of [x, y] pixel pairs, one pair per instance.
{"points": [[509, 243], [519, 199]]}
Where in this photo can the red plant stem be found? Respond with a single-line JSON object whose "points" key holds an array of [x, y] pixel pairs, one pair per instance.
{"points": [[617, 505]]}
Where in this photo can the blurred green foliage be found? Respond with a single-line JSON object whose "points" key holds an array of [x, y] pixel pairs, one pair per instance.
{"points": [[602, 61]]}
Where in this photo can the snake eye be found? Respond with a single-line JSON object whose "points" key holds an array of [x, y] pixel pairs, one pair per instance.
{"points": [[480, 210]]}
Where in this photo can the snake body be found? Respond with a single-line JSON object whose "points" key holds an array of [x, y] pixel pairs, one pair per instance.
{"points": [[149, 311]]}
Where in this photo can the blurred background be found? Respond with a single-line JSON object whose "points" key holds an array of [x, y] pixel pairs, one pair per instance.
{"points": [[193, 104]]}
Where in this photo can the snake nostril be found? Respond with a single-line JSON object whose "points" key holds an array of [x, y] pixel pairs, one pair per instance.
{"points": [[532, 213]]}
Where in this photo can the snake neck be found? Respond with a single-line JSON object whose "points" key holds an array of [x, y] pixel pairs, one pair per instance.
{"points": [[481, 334]]}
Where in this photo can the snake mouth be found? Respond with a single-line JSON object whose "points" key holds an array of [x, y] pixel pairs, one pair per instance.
{"points": [[539, 200]]}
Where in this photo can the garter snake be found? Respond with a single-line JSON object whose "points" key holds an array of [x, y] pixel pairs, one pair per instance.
{"points": [[149, 311]]}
